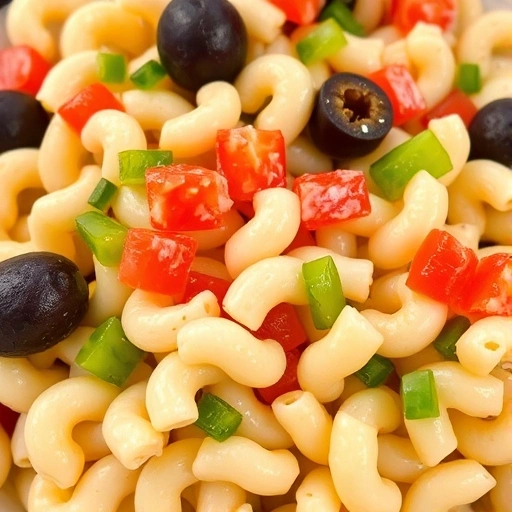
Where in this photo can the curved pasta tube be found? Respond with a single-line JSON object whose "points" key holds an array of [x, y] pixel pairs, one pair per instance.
{"points": [[271, 472], [22, 480], [103, 487], [289, 83], [194, 133], [493, 89], [384, 293], [262, 286], [110, 132], [268, 233], [362, 55], [5, 456], [130, 206], [233, 349], [215, 496], [496, 226], [354, 451], [425, 207], [53, 452], [303, 157], [128, 431], [369, 14], [324, 364], [171, 390], [210, 267], [466, 234], [500, 495], [27, 21], [152, 321], [336, 239], [89, 437], [317, 492], [149, 10], [18, 446], [457, 482]]}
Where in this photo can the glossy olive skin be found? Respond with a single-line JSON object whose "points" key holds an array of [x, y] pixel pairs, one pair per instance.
{"points": [[23, 121], [351, 116], [43, 299], [201, 41], [490, 132]]}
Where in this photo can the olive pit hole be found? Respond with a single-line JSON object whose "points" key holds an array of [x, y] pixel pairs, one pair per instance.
{"points": [[356, 105]]}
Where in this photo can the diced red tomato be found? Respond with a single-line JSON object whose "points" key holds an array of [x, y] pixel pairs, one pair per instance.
{"points": [[288, 382], [455, 103], [332, 197], [22, 69], [198, 282], [157, 261], [186, 197], [79, 109], [401, 89], [490, 291], [442, 268], [302, 12], [245, 208], [8, 419], [251, 160], [436, 12], [303, 238]]}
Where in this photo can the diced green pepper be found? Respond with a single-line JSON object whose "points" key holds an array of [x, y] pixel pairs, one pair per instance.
{"points": [[419, 395], [325, 40], [108, 353], [395, 169], [338, 10], [324, 290], [111, 68], [376, 371], [134, 163], [217, 418], [102, 195], [148, 75], [469, 79], [450, 334], [103, 235]]}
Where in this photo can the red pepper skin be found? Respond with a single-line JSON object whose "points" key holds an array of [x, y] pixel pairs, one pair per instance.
{"points": [[8, 419], [157, 262], [301, 12], [437, 12], [303, 238], [186, 197], [442, 268], [288, 382], [401, 89], [251, 160], [79, 109], [455, 103], [22, 69], [199, 282], [332, 197]]}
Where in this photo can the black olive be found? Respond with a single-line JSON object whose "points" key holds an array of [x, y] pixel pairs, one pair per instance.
{"points": [[351, 116], [490, 132], [43, 298], [4, 2], [23, 121], [201, 41]]}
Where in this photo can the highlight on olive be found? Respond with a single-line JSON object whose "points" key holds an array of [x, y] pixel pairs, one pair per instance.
{"points": [[43, 299], [351, 116]]}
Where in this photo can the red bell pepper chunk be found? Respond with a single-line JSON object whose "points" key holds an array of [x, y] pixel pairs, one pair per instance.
{"points": [[8, 419], [251, 160], [442, 268], [288, 382], [22, 69], [401, 89], [79, 109], [436, 12], [303, 238], [157, 261], [455, 103], [332, 197], [302, 12], [199, 282], [186, 197], [245, 208]]}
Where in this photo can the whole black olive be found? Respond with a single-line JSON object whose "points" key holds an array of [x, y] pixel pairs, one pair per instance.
{"points": [[201, 41], [43, 298], [490, 132], [351, 116], [23, 121], [4, 2]]}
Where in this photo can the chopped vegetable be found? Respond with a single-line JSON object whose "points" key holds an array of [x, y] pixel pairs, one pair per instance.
{"points": [[469, 79], [148, 75], [455, 103], [157, 262], [419, 395], [376, 371], [185, 197], [445, 343], [332, 197], [102, 195], [108, 353], [111, 68], [251, 160], [104, 236], [134, 163], [395, 169], [8, 419], [198, 282], [217, 418], [338, 10], [303, 238], [436, 12], [324, 40], [324, 290], [302, 12]]}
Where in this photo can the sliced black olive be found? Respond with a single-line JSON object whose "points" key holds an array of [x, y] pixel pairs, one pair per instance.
{"points": [[43, 298], [201, 41], [351, 117], [23, 121], [490, 132]]}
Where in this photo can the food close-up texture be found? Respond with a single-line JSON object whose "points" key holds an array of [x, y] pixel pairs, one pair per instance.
{"points": [[255, 256]]}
